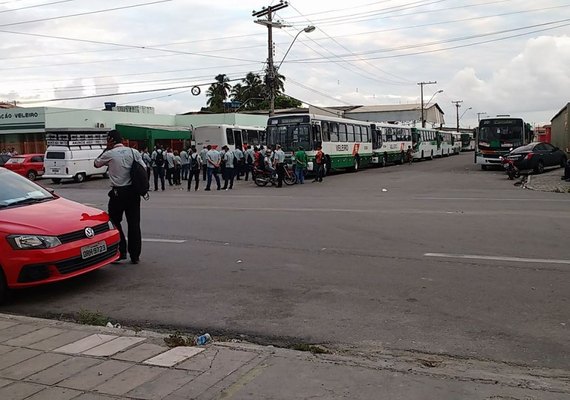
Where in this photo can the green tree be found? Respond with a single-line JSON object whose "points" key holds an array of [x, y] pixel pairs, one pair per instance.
{"points": [[217, 93]]}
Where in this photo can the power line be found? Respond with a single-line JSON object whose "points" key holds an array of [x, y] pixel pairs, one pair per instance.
{"points": [[36, 6], [86, 13]]}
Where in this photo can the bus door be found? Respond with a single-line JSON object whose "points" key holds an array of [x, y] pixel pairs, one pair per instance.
{"points": [[377, 140], [316, 136], [238, 139]]}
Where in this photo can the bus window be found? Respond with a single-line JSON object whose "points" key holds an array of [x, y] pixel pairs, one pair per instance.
{"points": [[252, 137], [230, 136], [238, 139], [365, 134], [350, 133], [342, 132], [326, 132], [358, 133], [334, 131]]}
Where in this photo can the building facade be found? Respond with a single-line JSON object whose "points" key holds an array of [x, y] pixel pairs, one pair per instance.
{"points": [[560, 131]]}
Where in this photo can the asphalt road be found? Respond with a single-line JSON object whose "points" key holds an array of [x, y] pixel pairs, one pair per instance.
{"points": [[447, 259]]}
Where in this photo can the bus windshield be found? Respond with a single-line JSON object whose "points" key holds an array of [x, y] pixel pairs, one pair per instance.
{"points": [[290, 137], [500, 133]]}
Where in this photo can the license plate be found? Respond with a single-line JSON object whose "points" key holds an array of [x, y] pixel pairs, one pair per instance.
{"points": [[55, 170], [93, 249]]}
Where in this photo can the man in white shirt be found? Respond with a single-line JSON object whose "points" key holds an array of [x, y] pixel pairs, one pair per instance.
{"points": [[122, 197], [279, 160], [213, 160]]}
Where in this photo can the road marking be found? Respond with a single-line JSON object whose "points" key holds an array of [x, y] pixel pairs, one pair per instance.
{"points": [[498, 258], [164, 241], [492, 199]]}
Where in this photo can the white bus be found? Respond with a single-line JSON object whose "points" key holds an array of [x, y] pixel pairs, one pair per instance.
{"points": [[425, 143], [390, 143], [446, 143], [347, 143], [228, 135], [457, 144]]}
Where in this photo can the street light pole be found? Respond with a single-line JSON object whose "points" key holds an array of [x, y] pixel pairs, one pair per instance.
{"points": [[457, 105], [470, 108], [268, 11], [422, 98], [479, 117], [308, 29]]}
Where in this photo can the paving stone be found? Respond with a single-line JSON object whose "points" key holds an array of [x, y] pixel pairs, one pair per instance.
{"points": [[141, 352], [64, 370], [4, 382], [113, 347], [16, 331], [85, 344], [55, 393], [32, 365], [162, 386], [6, 323], [129, 379], [218, 359], [95, 396], [19, 390], [5, 349], [174, 356], [96, 375], [33, 337], [59, 340], [16, 356]]}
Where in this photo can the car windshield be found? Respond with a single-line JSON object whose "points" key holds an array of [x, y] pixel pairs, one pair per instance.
{"points": [[524, 149], [17, 190], [16, 160]]}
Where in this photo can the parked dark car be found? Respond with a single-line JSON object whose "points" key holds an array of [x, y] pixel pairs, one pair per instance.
{"points": [[537, 156], [4, 158]]}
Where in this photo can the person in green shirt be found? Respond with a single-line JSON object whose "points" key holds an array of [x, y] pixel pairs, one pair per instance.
{"points": [[300, 164]]}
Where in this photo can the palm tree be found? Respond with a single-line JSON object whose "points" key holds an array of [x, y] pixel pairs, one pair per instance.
{"points": [[217, 93]]}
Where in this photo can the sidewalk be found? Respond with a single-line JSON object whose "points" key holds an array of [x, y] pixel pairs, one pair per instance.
{"points": [[548, 182], [45, 359]]}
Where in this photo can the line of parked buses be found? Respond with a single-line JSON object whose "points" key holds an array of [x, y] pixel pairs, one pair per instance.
{"points": [[348, 144]]}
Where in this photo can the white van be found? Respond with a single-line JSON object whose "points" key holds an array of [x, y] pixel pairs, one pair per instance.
{"points": [[72, 162]]}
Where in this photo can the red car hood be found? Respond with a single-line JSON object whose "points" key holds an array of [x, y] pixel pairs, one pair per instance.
{"points": [[54, 217]]}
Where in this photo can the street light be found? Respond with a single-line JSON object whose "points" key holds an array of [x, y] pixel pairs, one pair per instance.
{"points": [[308, 29], [470, 108], [479, 116], [425, 107]]}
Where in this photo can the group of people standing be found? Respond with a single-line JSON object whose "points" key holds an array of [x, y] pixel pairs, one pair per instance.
{"points": [[210, 162]]}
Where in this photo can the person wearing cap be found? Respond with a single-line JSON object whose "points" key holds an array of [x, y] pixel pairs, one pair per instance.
{"points": [[123, 199]]}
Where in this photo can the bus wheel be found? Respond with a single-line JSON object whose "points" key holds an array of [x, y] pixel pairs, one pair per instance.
{"points": [[422, 157], [483, 168], [431, 157], [356, 164], [384, 161]]}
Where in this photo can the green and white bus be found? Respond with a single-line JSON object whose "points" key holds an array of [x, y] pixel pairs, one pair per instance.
{"points": [[347, 143], [425, 143], [446, 142], [390, 143]]}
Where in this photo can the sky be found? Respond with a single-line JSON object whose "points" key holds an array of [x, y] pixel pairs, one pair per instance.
{"points": [[496, 56]]}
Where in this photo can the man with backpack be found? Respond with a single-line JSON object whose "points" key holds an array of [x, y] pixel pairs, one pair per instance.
{"points": [[249, 161], [195, 162], [158, 167], [239, 162]]}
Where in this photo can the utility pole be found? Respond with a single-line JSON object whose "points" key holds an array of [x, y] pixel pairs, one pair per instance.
{"points": [[457, 105], [422, 98], [479, 117], [268, 13]]}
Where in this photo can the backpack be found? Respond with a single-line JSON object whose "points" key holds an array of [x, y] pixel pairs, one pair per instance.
{"points": [[139, 178], [159, 160], [194, 166], [249, 158]]}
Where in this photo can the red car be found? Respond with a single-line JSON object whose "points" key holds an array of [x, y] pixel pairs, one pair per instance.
{"points": [[29, 165], [45, 238]]}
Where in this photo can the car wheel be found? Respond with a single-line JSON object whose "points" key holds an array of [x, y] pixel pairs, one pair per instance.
{"points": [[56, 180], [3, 287], [80, 178], [483, 168], [32, 175], [539, 169]]}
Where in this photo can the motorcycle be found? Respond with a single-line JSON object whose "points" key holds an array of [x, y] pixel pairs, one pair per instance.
{"points": [[264, 177], [510, 167]]}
